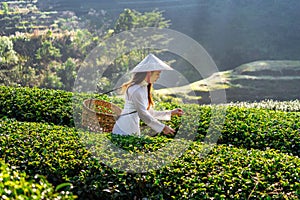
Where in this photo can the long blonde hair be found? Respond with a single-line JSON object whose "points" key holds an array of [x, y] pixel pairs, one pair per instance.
{"points": [[137, 79]]}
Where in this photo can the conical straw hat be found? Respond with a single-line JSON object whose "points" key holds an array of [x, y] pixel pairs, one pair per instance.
{"points": [[151, 63]]}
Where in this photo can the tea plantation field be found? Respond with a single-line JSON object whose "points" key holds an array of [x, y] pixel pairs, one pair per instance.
{"points": [[43, 156]]}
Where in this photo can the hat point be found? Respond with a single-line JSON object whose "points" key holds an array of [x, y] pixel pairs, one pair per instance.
{"points": [[151, 63]]}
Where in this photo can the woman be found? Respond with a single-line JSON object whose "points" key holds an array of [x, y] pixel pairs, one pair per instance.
{"points": [[139, 102]]}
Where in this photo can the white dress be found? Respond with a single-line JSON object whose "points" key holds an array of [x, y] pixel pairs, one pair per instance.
{"points": [[136, 99]]}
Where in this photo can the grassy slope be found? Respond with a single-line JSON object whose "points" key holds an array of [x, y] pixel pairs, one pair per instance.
{"points": [[253, 81]]}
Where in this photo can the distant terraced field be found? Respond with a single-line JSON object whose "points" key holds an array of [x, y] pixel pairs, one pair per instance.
{"points": [[255, 81]]}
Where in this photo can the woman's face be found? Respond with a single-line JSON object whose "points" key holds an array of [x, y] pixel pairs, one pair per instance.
{"points": [[154, 76]]}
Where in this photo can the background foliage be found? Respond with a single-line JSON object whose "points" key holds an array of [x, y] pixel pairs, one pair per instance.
{"points": [[50, 56]]}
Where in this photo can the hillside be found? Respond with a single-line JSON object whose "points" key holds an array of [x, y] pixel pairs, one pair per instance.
{"points": [[243, 29], [259, 80]]}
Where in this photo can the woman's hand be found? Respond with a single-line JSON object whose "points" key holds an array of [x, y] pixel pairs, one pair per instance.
{"points": [[168, 130], [177, 111]]}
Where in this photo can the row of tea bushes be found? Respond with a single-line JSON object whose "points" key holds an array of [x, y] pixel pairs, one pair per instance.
{"points": [[55, 106], [288, 106], [225, 172], [41, 148], [243, 127], [40, 105], [262, 129], [36, 105], [16, 185]]}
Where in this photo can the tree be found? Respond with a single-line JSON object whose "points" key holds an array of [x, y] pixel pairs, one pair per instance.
{"points": [[67, 73], [129, 20], [5, 8], [8, 57]]}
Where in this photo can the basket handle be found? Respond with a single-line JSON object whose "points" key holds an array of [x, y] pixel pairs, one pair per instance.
{"points": [[108, 91], [103, 94]]}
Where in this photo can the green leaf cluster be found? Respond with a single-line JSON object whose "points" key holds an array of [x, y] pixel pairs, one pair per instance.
{"points": [[5, 8], [131, 19], [47, 60], [255, 128], [33, 104], [262, 129], [288, 106], [17, 185], [8, 55]]}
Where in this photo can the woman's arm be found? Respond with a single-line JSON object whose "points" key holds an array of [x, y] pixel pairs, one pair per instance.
{"points": [[166, 115], [161, 115]]}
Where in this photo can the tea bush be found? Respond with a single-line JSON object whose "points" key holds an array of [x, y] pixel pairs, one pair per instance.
{"points": [[36, 105], [16, 185], [229, 173], [40, 105], [243, 127], [60, 154], [262, 129], [289, 106], [42, 148]]}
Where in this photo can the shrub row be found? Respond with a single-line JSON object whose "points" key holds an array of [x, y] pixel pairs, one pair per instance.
{"points": [[40, 105], [16, 185], [55, 106], [243, 127], [289, 106], [224, 172], [262, 129], [36, 105]]}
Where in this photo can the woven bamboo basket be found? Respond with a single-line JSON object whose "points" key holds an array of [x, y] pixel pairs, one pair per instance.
{"points": [[99, 115]]}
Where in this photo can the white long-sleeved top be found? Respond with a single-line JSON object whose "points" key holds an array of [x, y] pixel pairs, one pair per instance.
{"points": [[136, 99]]}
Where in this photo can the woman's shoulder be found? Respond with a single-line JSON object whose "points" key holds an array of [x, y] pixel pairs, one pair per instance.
{"points": [[137, 89]]}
